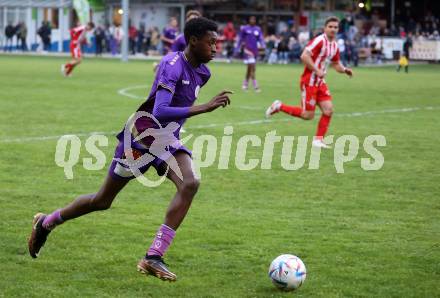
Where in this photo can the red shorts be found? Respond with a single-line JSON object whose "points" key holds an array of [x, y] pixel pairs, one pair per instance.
{"points": [[76, 52], [311, 95]]}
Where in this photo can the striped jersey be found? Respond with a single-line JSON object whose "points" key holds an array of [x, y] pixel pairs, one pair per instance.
{"points": [[76, 36], [322, 52]]}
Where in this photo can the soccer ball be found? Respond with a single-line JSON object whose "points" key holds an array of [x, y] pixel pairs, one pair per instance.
{"points": [[287, 272]]}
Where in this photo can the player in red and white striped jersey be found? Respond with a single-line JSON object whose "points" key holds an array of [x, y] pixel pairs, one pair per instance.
{"points": [[77, 37], [317, 55]]}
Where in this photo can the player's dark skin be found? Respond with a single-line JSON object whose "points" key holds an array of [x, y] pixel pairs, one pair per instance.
{"points": [[199, 50]]}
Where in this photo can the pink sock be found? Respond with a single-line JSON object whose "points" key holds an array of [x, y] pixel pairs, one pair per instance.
{"points": [[162, 241], [255, 83], [245, 83], [52, 220]]}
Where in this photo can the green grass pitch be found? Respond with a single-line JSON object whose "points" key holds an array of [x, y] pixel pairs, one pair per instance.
{"points": [[360, 234]]}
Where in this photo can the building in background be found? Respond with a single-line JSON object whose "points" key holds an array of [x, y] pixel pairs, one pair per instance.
{"points": [[61, 16], [274, 16], [33, 13]]}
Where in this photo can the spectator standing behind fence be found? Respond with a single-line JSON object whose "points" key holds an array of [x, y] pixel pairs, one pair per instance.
{"points": [[342, 52], [141, 40], [271, 49], [108, 38], [294, 49], [132, 36], [117, 35], [113, 43], [22, 35], [9, 34], [283, 47], [169, 35], [48, 35], [17, 36], [45, 34], [99, 40], [154, 39], [303, 38], [229, 34], [355, 46]]}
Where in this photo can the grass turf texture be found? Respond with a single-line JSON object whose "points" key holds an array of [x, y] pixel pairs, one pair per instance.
{"points": [[359, 233]]}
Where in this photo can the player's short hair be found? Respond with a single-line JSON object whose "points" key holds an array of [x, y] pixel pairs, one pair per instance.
{"points": [[193, 12], [91, 25], [198, 27], [331, 19]]}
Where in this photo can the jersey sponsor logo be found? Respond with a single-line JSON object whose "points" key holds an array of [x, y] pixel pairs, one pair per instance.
{"points": [[185, 82]]}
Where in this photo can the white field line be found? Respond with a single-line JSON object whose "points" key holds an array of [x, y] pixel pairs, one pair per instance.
{"points": [[251, 122], [125, 91]]}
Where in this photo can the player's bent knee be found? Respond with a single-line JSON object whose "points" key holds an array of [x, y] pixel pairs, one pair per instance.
{"points": [[308, 116], [102, 206], [190, 185], [328, 112]]}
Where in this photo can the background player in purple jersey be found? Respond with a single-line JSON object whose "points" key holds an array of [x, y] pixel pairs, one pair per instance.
{"points": [[171, 101], [251, 39], [169, 35], [179, 44]]}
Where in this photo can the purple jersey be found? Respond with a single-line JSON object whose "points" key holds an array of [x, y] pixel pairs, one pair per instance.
{"points": [[175, 74], [179, 44], [252, 38], [181, 83], [170, 33]]}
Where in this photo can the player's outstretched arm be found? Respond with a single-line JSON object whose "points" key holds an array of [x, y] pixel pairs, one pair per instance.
{"points": [[162, 110], [342, 69], [220, 100]]}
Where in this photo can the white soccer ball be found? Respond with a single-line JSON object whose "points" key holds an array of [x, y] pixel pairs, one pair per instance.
{"points": [[287, 272]]}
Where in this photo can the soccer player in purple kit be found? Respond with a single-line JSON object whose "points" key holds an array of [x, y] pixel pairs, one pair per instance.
{"points": [[171, 101], [251, 37], [169, 35], [179, 43]]}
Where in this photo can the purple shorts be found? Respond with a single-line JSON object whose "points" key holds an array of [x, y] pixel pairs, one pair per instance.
{"points": [[120, 171]]}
